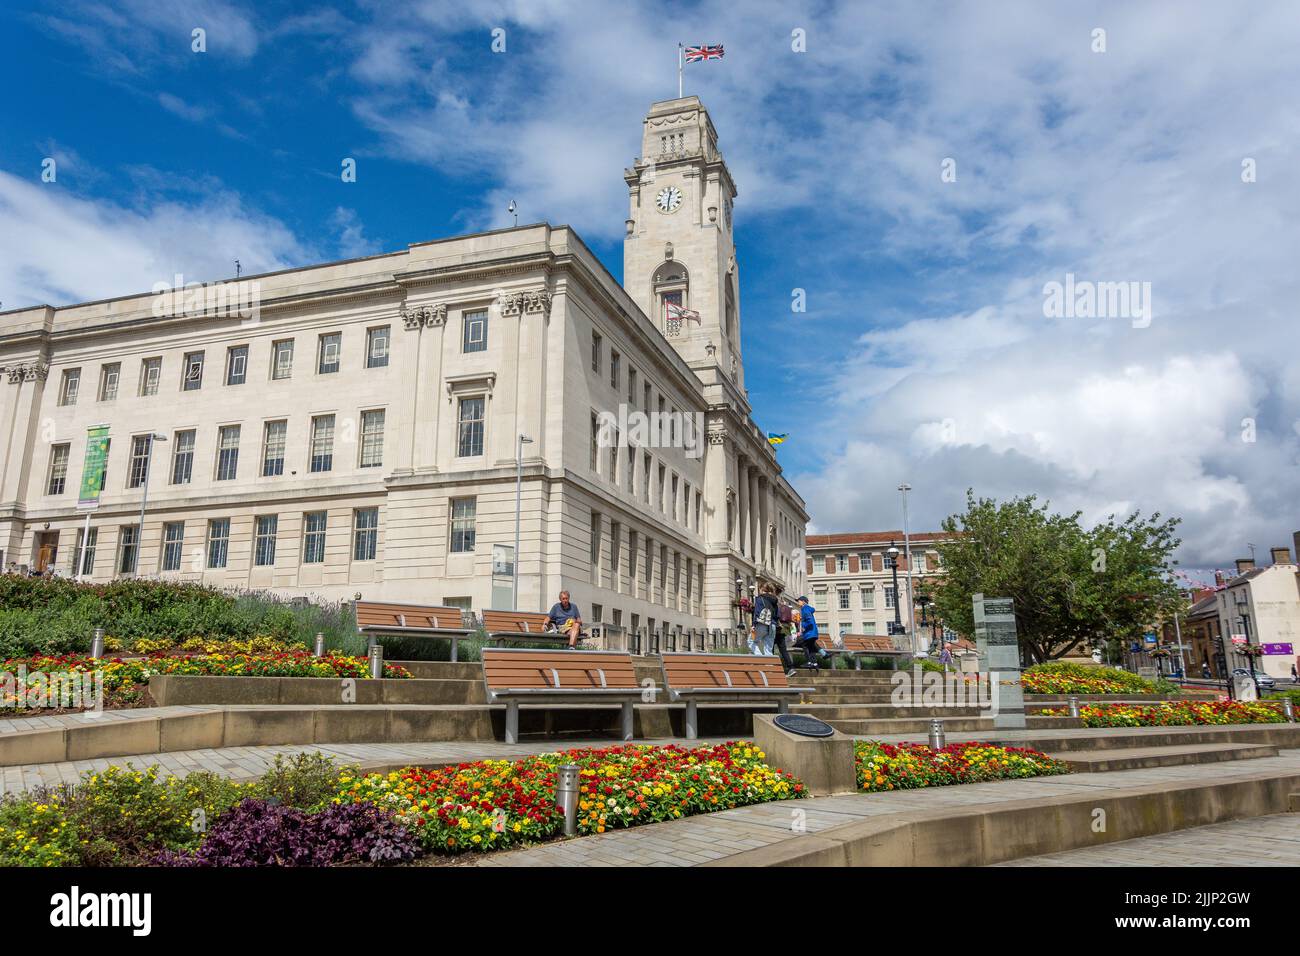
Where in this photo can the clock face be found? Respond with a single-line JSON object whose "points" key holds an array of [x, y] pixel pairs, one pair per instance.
{"points": [[669, 199]]}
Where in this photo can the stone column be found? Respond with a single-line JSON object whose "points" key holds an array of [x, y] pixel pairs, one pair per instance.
{"points": [[755, 535], [742, 493]]}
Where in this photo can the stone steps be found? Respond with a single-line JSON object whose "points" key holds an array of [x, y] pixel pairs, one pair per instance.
{"points": [[1142, 758], [1285, 736], [920, 726]]}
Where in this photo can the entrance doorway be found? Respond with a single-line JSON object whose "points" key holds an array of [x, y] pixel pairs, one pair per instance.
{"points": [[47, 551]]}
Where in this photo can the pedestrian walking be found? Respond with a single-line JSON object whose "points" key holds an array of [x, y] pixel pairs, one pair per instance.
{"points": [[812, 651], [784, 629], [765, 618]]}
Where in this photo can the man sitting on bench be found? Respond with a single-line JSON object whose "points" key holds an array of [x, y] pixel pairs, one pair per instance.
{"points": [[565, 617]]}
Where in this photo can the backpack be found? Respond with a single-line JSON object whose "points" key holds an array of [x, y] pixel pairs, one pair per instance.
{"points": [[784, 614]]}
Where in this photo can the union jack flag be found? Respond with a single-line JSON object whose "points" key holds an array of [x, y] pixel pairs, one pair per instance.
{"points": [[696, 53]]}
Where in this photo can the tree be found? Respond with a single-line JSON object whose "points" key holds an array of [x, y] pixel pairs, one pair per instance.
{"points": [[1072, 586]]}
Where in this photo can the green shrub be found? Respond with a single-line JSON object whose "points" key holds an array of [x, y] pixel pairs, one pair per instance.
{"points": [[305, 780]]}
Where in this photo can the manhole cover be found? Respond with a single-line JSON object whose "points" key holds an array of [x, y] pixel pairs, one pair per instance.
{"points": [[803, 725]]}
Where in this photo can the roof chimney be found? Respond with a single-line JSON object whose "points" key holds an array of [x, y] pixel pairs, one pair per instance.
{"points": [[1245, 564], [1218, 579], [1280, 555]]}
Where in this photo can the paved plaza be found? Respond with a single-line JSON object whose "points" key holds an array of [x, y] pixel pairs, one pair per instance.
{"points": [[1258, 841]]}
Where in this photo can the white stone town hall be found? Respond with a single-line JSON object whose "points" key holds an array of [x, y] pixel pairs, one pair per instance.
{"points": [[359, 432]]}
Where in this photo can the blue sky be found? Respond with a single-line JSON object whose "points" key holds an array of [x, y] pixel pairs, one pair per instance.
{"points": [[925, 354]]}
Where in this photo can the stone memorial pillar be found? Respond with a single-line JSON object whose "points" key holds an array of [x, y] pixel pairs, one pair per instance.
{"points": [[995, 636]]}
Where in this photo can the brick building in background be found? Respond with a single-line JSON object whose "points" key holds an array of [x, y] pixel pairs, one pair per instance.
{"points": [[851, 583]]}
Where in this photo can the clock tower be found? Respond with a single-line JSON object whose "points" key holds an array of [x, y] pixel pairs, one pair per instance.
{"points": [[679, 249]]}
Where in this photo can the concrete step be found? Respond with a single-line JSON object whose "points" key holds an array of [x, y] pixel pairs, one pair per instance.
{"points": [[882, 711], [1284, 736], [169, 690], [951, 725], [444, 670], [1141, 758]]}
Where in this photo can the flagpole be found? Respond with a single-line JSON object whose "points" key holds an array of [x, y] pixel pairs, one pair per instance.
{"points": [[679, 71]]}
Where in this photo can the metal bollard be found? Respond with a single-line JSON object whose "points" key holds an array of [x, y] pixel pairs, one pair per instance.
{"points": [[937, 740], [1074, 706], [376, 660], [97, 644], [318, 649], [566, 797], [1289, 709]]}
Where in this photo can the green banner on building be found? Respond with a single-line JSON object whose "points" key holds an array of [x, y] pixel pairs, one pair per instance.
{"points": [[92, 472]]}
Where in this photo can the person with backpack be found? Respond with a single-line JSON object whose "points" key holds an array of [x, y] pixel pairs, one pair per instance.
{"points": [[765, 617], [784, 626]]}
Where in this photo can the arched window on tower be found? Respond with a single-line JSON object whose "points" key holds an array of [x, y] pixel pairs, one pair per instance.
{"points": [[731, 308], [671, 285]]}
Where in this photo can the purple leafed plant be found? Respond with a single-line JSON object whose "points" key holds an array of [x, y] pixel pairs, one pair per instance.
{"points": [[257, 833]]}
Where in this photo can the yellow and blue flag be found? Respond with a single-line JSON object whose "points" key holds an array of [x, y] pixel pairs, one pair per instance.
{"points": [[774, 439]]}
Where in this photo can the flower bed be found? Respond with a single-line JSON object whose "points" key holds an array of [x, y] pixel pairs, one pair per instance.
{"points": [[305, 811], [491, 804], [910, 766], [1065, 678], [1176, 714], [127, 678]]}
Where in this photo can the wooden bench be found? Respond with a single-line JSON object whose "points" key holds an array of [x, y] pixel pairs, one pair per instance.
{"points": [[515, 675], [378, 619], [502, 626], [860, 646], [742, 679]]}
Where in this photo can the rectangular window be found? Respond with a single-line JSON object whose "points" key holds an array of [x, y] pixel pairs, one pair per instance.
{"points": [[127, 548], [613, 459], [595, 443], [918, 563], [173, 544], [377, 347], [87, 558], [844, 599], [218, 542], [841, 563], [819, 599], [676, 515], [58, 479], [274, 435], [69, 387], [594, 541], [869, 628], [365, 533], [108, 378], [236, 364], [192, 372], [629, 471], [313, 537], [227, 452], [469, 428], [595, 352], [183, 458], [322, 443], [631, 386], [645, 485], [473, 331], [150, 374], [868, 599], [327, 353], [372, 439], [463, 511], [282, 359], [140, 452], [264, 540], [615, 361], [633, 553], [889, 596], [663, 490]]}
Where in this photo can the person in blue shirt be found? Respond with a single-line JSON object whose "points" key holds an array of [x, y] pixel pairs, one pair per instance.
{"points": [[565, 617], [812, 651]]}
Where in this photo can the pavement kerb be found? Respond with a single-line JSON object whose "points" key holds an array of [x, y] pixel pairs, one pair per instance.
{"points": [[983, 835]]}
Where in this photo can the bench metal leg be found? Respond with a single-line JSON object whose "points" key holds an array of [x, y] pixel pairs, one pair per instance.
{"points": [[512, 722], [692, 721], [628, 720], [782, 706], [453, 650], [857, 662]]}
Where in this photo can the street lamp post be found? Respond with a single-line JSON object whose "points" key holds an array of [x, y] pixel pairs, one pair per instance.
{"points": [[144, 498], [907, 556], [519, 481], [893, 565]]}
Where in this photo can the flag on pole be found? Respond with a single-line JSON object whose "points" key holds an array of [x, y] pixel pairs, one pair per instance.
{"points": [[673, 315], [694, 54], [774, 439]]}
